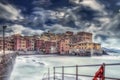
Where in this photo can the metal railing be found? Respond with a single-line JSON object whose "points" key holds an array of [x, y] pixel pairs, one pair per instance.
{"points": [[77, 71]]}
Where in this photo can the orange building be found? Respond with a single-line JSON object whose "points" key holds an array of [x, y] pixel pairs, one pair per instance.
{"points": [[64, 46]]}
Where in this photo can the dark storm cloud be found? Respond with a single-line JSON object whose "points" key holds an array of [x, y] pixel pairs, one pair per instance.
{"points": [[111, 5], [9, 13], [100, 17], [114, 26], [81, 15]]}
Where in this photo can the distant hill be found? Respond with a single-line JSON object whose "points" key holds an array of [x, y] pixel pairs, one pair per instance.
{"points": [[111, 51]]}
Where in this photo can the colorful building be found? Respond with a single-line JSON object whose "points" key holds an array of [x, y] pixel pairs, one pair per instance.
{"points": [[9, 44], [20, 43], [50, 47], [82, 37], [30, 43], [64, 46], [48, 42], [39, 45], [86, 47]]}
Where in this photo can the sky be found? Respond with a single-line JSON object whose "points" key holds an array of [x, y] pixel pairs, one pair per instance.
{"points": [[33, 17]]}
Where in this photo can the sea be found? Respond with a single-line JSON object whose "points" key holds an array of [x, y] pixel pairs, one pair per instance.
{"points": [[35, 67]]}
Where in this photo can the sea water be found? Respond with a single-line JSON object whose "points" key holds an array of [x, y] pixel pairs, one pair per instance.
{"points": [[35, 67]]}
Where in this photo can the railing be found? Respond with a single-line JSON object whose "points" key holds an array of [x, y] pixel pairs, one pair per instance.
{"points": [[46, 75], [76, 75]]}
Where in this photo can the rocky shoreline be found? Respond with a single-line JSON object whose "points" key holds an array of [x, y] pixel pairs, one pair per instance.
{"points": [[6, 65]]}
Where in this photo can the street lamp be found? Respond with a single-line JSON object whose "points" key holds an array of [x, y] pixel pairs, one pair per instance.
{"points": [[4, 27]]}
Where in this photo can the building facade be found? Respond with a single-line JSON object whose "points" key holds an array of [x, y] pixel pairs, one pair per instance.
{"points": [[9, 44], [82, 37], [30, 43], [63, 43], [64, 46], [50, 47], [39, 45], [20, 43]]}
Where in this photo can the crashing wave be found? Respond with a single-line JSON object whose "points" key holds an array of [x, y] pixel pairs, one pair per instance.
{"points": [[39, 62]]}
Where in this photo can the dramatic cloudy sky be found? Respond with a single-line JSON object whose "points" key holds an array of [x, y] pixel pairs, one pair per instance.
{"points": [[29, 17]]}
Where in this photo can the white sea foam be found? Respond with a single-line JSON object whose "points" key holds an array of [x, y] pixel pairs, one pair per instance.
{"points": [[107, 57], [28, 68]]}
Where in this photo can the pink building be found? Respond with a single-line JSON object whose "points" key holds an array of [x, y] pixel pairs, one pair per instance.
{"points": [[50, 47], [30, 43], [20, 43], [39, 45]]}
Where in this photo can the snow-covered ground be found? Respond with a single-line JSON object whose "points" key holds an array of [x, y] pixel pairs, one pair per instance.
{"points": [[34, 67]]}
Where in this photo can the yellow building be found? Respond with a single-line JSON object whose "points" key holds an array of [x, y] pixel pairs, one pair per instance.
{"points": [[23, 43], [89, 46], [45, 38], [86, 47]]}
